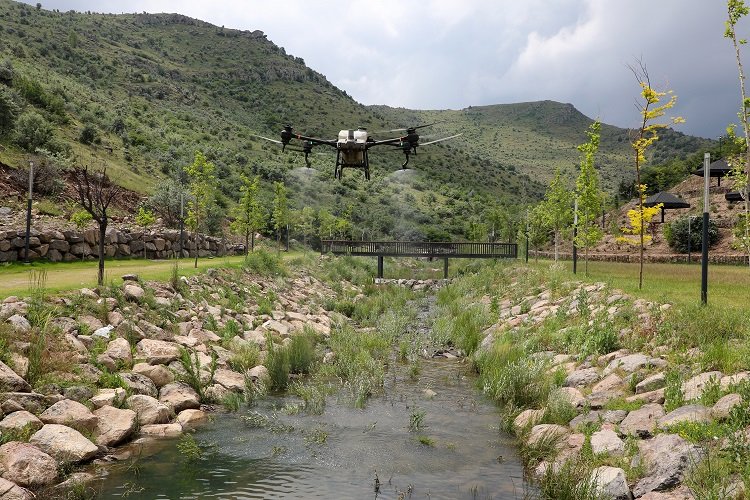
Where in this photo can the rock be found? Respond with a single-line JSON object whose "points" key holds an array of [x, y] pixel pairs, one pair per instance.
{"points": [[19, 323], [608, 383], [109, 397], [527, 418], [119, 350], [667, 457], [679, 493], [607, 441], [179, 396], [723, 406], [730, 380], [546, 431], [80, 393], [580, 378], [161, 430], [217, 392], [656, 396], [651, 383], [149, 410], [276, 326], [596, 416], [203, 336], [139, 384], [688, 413], [92, 323], [63, 443], [26, 465], [74, 483], [642, 422], [11, 491], [115, 425], [10, 381], [258, 374], [19, 364], [130, 277], [157, 352], [20, 421], [133, 292], [114, 318], [693, 388], [160, 375], [429, 393], [628, 364], [70, 413], [569, 394], [611, 482], [256, 337], [189, 419], [29, 401], [230, 379]]}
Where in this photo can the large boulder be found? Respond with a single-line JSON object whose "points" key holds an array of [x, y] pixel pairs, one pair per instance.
{"points": [[115, 425], [179, 396], [230, 379], [70, 413], [160, 375], [628, 364], [693, 388], [64, 443], [611, 482], [10, 381], [157, 352], [583, 377], [643, 421], [684, 414], [109, 397], [20, 421], [119, 351], [26, 465], [666, 457], [132, 292], [607, 441], [189, 419], [149, 409], [161, 430], [139, 384], [11, 491], [542, 432]]}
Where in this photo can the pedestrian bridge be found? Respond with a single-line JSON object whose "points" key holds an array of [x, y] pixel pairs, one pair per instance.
{"points": [[444, 250]]}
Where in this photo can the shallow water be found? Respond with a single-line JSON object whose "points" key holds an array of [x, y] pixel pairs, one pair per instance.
{"points": [[469, 458]]}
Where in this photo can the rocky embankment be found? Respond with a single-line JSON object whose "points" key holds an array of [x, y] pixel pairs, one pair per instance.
{"points": [[620, 420], [106, 367]]}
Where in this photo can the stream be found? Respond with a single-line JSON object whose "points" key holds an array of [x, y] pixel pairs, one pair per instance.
{"points": [[458, 451]]}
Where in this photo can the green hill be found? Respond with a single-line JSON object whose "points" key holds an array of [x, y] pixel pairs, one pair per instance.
{"points": [[141, 92]]}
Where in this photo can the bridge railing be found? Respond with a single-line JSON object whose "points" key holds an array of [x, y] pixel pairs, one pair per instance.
{"points": [[421, 249]]}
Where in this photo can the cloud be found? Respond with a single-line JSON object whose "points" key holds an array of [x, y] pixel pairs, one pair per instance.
{"points": [[437, 54]]}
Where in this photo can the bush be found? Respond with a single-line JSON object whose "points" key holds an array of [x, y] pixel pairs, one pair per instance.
{"points": [[264, 263], [9, 110], [33, 131], [89, 135], [277, 363], [677, 232], [301, 353]]}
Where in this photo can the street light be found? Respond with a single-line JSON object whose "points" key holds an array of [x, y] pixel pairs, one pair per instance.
{"points": [[28, 212]]}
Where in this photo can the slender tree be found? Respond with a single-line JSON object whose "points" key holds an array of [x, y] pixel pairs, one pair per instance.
{"points": [[280, 213], [306, 224], [95, 192], [145, 218], [202, 189], [651, 108], [736, 10], [589, 195], [248, 213], [557, 209]]}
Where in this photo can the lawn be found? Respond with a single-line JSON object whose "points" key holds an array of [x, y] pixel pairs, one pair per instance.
{"points": [[678, 284], [14, 278]]}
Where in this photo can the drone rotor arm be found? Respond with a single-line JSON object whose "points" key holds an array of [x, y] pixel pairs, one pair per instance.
{"points": [[440, 140]]}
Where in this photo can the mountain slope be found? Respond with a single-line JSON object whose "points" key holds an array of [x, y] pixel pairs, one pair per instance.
{"points": [[150, 89]]}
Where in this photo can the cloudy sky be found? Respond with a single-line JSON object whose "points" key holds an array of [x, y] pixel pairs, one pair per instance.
{"points": [[439, 54]]}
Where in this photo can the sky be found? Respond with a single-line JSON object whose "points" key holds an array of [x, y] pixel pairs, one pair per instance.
{"points": [[451, 54]]}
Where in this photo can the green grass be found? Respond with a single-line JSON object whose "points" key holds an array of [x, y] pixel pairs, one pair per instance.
{"points": [[677, 284]]}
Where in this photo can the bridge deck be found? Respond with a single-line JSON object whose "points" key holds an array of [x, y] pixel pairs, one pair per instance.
{"points": [[443, 250]]}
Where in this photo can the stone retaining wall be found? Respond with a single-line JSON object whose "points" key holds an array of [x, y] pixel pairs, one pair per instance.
{"points": [[65, 246]]}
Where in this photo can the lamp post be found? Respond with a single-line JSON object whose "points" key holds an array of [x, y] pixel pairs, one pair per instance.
{"points": [[575, 235], [706, 204], [28, 212]]}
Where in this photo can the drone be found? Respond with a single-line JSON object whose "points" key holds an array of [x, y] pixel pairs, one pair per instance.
{"points": [[352, 146]]}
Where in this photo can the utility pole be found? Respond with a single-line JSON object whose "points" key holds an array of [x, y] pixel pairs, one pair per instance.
{"points": [[575, 235], [706, 205], [28, 212], [182, 220]]}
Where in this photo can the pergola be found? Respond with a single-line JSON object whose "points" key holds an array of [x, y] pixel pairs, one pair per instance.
{"points": [[667, 200], [717, 169]]}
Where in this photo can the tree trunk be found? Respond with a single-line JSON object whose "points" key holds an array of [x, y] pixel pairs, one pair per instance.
{"points": [[195, 265], [247, 242], [143, 239], [252, 240], [278, 242], [557, 240], [102, 232]]}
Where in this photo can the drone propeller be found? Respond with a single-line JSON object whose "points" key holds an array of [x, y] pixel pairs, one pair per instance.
{"points": [[408, 129], [440, 140]]}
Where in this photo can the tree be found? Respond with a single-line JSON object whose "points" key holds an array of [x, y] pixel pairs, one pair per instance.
{"points": [[590, 200], [327, 224], [736, 10], [202, 190], [95, 192], [556, 210], [248, 213], [144, 219], [306, 224], [538, 231], [9, 110], [650, 109], [280, 214], [32, 131], [165, 201]]}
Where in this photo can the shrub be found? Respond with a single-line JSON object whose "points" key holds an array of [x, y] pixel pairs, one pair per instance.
{"points": [[677, 232], [33, 131], [9, 110], [244, 358], [264, 263], [88, 135], [301, 353], [277, 363]]}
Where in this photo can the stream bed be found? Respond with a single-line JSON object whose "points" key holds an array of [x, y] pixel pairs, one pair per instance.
{"points": [[339, 454]]}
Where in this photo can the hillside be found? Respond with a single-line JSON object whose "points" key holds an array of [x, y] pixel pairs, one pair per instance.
{"points": [[141, 92]]}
